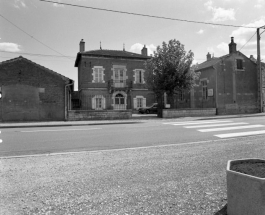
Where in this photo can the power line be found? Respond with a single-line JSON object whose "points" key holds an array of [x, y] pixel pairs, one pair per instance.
{"points": [[31, 35], [150, 16], [40, 55], [247, 41]]}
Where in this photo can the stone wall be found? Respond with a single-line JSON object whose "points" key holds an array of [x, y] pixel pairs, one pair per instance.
{"points": [[173, 113], [76, 115]]}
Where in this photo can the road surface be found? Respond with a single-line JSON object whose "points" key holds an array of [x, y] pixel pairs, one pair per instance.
{"points": [[42, 140]]}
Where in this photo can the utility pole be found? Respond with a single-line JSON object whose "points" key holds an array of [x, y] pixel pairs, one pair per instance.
{"points": [[259, 71]]}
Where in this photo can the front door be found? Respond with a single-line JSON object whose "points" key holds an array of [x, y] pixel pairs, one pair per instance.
{"points": [[120, 103]]}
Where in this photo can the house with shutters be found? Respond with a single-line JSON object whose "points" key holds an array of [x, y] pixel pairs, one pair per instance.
{"points": [[229, 83], [112, 79]]}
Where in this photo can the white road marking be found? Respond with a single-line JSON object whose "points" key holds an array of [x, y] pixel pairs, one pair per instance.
{"points": [[113, 150], [230, 128], [62, 130], [248, 133], [1, 141], [184, 122], [197, 123], [217, 125]]}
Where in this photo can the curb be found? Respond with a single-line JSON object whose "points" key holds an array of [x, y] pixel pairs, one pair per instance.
{"points": [[64, 125], [132, 121]]}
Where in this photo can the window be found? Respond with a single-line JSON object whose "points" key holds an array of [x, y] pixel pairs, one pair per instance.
{"points": [[181, 96], [139, 102], [119, 76], [204, 90], [239, 64], [98, 74], [139, 76], [98, 102], [119, 99]]}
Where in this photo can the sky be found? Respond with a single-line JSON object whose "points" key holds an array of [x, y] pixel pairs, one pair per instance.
{"points": [[49, 33]]}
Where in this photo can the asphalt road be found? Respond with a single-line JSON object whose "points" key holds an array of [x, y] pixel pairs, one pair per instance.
{"points": [[41, 140]]}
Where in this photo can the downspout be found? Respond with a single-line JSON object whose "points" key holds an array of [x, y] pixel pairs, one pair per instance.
{"points": [[65, 105], [216, 93]]}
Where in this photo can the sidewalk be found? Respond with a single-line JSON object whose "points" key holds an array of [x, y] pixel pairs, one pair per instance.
{"points": [[136, 118]]}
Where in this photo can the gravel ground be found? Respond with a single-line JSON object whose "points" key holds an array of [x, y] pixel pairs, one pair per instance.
{"points": [[184, 179]]}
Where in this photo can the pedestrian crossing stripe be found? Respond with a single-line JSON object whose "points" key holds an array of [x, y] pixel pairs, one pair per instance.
{"points": [[216, 125], [230, 128], [248, 133], [195, 122]]}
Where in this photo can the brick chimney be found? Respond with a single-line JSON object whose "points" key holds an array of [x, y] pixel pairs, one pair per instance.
{"points": [[232, 46], [144, 51], [82, 46], [253, 59], [208, 56]]}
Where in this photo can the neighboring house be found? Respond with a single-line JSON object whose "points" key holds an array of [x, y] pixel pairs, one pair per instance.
{"points": [[31, 92], [228, 83], [112, 79]]}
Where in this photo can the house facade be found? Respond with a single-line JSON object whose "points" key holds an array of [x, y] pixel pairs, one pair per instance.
{"points": [[31, 92], [228, 83], [112, 79]]}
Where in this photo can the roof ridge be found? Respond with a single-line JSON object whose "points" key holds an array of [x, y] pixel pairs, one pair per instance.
{"points": [[43, 67], [110, 50]]}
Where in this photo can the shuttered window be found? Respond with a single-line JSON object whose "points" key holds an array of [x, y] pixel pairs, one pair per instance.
{"points": [[98, 102]]}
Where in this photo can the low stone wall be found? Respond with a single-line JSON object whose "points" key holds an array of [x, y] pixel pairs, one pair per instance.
{"points": [[76, 115], [172, 113], [238, 110]]}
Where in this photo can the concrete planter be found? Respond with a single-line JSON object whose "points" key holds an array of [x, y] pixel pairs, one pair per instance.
{"points": [[245, 193]]}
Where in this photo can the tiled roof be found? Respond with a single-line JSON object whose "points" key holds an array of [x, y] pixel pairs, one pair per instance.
{"points": [[114, 53], [111, 54], [42, 67], [208, 63]]}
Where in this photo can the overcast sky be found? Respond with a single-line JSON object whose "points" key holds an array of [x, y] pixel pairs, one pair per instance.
{"points": [[41, 28]]}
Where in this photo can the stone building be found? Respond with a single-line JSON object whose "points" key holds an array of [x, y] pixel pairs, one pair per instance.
{"points": [[112, 79], [31, 92], [228, 83]]}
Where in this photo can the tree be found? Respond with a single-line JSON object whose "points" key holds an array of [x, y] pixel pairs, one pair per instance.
{"points": [[169, 70]]}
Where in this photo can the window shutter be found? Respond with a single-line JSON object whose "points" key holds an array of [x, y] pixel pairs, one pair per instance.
{"points": [[93, 103], [144, 102], [143, 76], [134, 77], [137, 76], [103, 103], [93, 75], [135, 103]]}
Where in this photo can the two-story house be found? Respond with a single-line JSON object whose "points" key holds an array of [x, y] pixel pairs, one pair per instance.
{"points": [[228, 83], [112, 79]]}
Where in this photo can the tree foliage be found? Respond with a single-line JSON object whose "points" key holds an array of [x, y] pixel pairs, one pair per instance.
{"points": [[169, 70]]}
